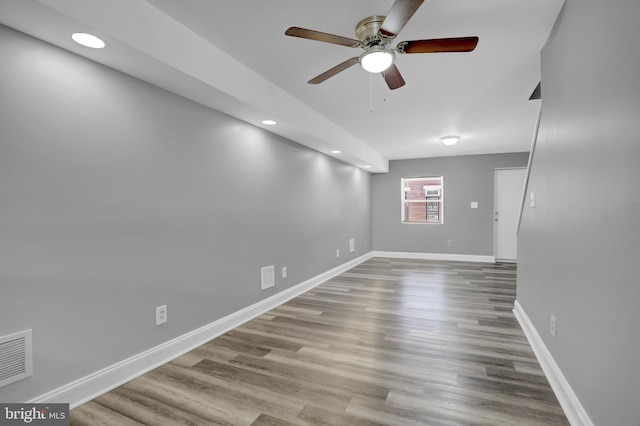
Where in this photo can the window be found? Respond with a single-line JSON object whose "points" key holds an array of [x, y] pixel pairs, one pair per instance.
{"points": [[422, 200]]}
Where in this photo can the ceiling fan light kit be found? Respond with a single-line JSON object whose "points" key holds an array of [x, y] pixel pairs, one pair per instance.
{"points": [[375, 35], [377, 59]]}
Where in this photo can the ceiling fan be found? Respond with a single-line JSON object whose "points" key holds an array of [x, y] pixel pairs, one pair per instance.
{"points": [[375, 35]]}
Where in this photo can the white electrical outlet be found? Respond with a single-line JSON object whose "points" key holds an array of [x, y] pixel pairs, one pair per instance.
{"points": [[552, 325], [449, 243], [337, 252], [284, 272], [532, 199], [474, 204], [161, 314]]}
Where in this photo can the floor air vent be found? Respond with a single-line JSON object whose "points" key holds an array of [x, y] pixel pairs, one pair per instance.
{"points": [[16, 357]]}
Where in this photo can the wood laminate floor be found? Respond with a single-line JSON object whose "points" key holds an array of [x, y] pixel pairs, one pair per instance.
{"points": [[389, 342]]}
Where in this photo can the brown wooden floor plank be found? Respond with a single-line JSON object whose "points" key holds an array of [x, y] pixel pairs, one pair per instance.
{"points": [[94, 414], [390, 342], [275, 387], [146, 410], [267, 420], [316, 416]]}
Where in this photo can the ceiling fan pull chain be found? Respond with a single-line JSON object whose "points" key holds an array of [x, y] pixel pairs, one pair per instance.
{"points": [[370, 93], [384, 75]]}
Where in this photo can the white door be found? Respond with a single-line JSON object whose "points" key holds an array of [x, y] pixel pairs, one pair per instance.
{"points": [[508, 186]]}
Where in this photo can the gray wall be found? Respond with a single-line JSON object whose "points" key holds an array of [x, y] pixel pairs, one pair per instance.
{"points": [[118, 197], [579, 248], [466, 179]]}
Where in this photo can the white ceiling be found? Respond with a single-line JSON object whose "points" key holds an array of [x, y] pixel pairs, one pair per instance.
{"points": [[233, 56]]}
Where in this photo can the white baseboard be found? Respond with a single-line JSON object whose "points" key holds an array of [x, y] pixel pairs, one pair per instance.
{"points": [[95, 384], [569, 402], [435, 256]]}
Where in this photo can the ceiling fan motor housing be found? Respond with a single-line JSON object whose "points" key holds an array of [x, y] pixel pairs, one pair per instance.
{"points": [[368, 29]]}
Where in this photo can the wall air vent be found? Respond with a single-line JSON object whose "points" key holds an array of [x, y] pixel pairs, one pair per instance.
{"points": [[268, 277], [16, 357]]}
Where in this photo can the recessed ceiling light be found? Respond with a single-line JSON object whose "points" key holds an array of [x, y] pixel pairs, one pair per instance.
{"points": [[88, 40], [269, 122], [335, 151], [450, 140]]}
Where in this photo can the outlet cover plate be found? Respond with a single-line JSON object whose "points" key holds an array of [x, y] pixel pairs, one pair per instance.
{"points": [[161, 314]]}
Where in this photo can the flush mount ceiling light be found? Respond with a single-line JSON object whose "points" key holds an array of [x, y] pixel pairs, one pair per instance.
{"points": [[269, 122], [88, 40], [450, 140], [335, 151], [377, 59]]}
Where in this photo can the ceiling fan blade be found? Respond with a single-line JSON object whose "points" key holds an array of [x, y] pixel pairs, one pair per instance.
{"points": [[436, 45], [320, 36], [398, 16], [393, 77], [333, 71]]}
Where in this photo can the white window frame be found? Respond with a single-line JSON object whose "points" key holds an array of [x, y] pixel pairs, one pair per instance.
{"points": [[403, 189]]}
